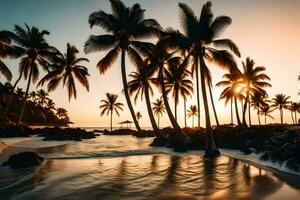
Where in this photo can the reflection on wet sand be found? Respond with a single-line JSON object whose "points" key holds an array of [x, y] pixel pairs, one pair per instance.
{"points": [[145, 177]]}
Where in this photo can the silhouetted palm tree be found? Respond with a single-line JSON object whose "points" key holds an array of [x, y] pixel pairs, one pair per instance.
{"points": [[61, 113], [265, 110], [192, 112], [294, 107], [50, 105], [4, 45], [281, 101], [110, 105], [20, 93], [67, 69], [33, 48], [126, 25], [258, 99], [161, 60], [42, 97], [178, 83], [230, 93], [141, 86], [254, 80], [199, 39], [159, 109], [204, 32]]}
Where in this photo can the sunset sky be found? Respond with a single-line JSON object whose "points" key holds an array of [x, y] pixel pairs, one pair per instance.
{"points": [[267, 31]]}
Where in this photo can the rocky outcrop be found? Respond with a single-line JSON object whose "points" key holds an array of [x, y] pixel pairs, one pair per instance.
{"points": [[60, 134], [23, 160]]}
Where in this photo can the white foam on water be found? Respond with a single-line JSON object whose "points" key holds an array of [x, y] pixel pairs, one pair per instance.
{"points": [[32, 142], [255, 158]]}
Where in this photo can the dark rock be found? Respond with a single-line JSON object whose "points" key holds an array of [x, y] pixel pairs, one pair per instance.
{"points": [[265, 156], [292, 164], [23, 160]]}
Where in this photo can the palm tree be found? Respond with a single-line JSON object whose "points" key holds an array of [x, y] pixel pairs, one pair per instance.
{"points": [[20, 93], [139, 116], [61, 113], [67, 69], [257, 100], [42, 97], [109, 105], [4, 45], [265, 110], [141, 86], [206, 47], [158, 109], [192, 112], [294, 107], [230, 92], [254, 80], [33, 96], [125, 26], [178, 83], [33, 48], [281, 101], [50, 105], [161, 60]]}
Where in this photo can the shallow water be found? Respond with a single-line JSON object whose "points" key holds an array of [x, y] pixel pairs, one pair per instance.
{"points": [[124, 167]]}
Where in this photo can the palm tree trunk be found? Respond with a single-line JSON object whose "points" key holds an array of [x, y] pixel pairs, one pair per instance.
{"points": [[281, 116], [211, 148], [197, 87], [184, 105], [25, 98], [193, 121], [265, 119], [237, 112], [181, 139], [12, 94], [245, 109], [125, 86], [249, 112], [158, 119], [296, 117], [258, 117], [231, 111], [292, 117], [150, 113], [111, 113], [175, 110], [213, 104]]}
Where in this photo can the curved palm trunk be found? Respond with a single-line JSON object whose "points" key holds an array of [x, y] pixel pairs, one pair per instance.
{"points": [[175, 110], [111, 113], [237, 112], [211, 148], [158, 120], [12, 94], [181, 139], [213, 105], [296, 117], [184, 106], [150, 113], [25, 98], [125, 86], [197, 88]]}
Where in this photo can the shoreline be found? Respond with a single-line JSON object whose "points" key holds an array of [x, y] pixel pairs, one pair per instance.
{"points": [[281, 171]]}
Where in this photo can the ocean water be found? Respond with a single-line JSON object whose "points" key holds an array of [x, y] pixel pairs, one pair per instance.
{"points": [[127, 168]]}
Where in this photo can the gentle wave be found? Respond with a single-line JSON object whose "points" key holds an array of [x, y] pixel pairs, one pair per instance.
{"points": [[149, 151]]}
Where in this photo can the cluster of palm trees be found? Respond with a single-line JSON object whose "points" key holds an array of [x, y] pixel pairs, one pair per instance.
{"points": [[169, 64], [40, 108], [31, 48]]}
